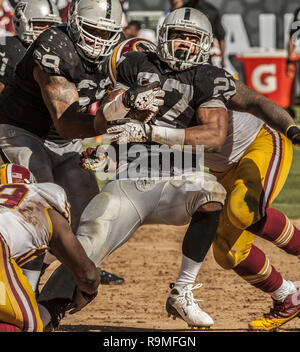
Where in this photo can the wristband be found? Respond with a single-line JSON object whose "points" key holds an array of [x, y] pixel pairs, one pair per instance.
{"points": [[292, 131], [168, 136], [289, 128], [115, 109]]}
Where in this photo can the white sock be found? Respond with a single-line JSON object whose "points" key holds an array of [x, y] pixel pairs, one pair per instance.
{"points": [[44, 314], [284, 290], [188, 271], [32, 277]]}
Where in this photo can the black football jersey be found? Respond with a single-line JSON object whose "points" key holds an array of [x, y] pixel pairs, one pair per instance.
{"points": [[11, 52], [185, 91], [21, 102]]}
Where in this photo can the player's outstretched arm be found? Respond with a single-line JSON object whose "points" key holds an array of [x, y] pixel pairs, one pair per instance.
{"points": [[247, 100], [68, 250], [62, 100]]}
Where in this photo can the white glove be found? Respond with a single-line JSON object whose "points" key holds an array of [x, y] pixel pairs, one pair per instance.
{"points": [[145, 97], [128, 132]]}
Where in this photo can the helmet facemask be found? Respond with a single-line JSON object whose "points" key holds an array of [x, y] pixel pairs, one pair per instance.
{"points": [[34, 28], [192, 53], [95, 47]]}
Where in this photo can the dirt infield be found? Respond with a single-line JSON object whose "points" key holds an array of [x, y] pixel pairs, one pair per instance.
{"points": [[149, 262]]}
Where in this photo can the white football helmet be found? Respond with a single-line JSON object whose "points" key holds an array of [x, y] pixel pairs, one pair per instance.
{"points": [[87, 15], [190, 20], [29, 12]]}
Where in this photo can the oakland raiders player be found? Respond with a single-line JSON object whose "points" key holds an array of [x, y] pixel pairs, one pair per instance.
{"points": [[33, 218], [196, 198], [30, 19], [244, 100], [245, 136], [244, 166], [43, 109]]}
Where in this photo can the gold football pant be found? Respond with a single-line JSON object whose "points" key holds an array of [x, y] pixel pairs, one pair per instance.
{"points": [[251, 187], [18, 304]]}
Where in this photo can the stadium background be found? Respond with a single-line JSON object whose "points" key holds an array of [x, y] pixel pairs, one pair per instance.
{"points": [[151, 259]]}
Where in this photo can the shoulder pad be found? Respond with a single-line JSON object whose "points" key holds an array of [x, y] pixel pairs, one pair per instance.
{"points": [[54, 52], [214, 83], [56, 197]]}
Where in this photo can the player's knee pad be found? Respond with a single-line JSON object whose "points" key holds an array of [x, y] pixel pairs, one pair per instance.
{"points": [[243, 206], [206, 189]]}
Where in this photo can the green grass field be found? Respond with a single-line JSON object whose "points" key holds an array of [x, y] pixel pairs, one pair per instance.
{"points": [[288, 200]]}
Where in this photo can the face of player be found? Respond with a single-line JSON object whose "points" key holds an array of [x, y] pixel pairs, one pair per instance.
{"points": [[183, 44], [39, 27], [92, 33]]}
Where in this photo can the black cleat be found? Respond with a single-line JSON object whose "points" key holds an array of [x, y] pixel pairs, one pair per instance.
{"points": [[107, 278]]}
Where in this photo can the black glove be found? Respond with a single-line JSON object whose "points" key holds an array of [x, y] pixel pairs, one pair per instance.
{"points": [[293, 134], [80, 300]]}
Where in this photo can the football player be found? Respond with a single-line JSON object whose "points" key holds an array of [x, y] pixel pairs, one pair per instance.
{"points": [[30, 18], [197, 198], [35, 217], [164, 131], [252, 165], [43, 109]]}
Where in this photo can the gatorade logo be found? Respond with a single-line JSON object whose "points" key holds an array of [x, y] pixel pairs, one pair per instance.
{"points": [[264, 78]]}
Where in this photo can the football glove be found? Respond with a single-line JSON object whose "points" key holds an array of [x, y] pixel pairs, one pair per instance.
{"points": [[144, 97], [129, 131], [80, 300], [293, 133], [95, 159]]}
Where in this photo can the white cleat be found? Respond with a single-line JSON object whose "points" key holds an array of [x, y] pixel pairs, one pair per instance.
{"points": [[182, 304]]}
